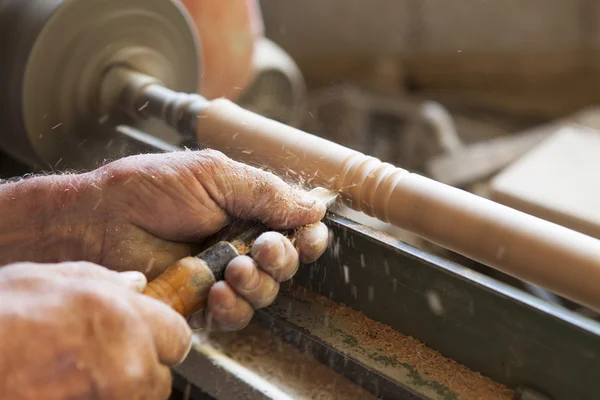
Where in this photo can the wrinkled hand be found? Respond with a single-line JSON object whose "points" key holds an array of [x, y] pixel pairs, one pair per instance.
{"points": [[146, 212], [78, 330]]}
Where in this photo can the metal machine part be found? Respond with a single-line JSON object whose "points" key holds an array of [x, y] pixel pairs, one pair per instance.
{"points": [[395, 130], [52, 70], [537, 349], [278, 90]]}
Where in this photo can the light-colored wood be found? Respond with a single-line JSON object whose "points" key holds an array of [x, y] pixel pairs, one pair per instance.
{"points": [[559, 180], [558, 259], [482, 159]]}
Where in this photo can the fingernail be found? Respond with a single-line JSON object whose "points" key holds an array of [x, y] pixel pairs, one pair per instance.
{"points": [[135, 279], [194, 323], [308, 201], [186, 353], [197, 321]]}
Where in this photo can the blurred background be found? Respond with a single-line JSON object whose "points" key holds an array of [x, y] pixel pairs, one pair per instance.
{"points": [[497, 98]]}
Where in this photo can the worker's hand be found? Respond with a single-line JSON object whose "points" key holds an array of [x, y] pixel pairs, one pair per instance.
{"points": [[146, 212], [156, 205], [80, 331]]}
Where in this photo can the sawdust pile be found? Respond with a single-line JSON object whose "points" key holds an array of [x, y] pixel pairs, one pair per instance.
{"points": [[294, 372], [405, 349]]}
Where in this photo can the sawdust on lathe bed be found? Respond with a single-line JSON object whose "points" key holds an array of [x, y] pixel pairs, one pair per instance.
{"points": [[294, 372], [402, 349]]}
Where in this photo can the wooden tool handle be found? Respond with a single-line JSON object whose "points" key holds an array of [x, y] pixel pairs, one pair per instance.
{"points": [[184, 286], [534, 250]]}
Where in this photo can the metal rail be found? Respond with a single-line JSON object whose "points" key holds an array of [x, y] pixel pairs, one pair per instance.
{"points": [[488, 326], [493, 328]]}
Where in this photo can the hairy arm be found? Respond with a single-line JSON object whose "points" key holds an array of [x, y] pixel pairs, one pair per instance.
{"points": [[41, 220]]}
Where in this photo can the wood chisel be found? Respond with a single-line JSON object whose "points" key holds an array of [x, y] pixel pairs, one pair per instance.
{"points": [[185, 285]]}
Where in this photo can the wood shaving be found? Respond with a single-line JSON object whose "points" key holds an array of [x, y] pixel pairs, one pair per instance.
{"points": [[242, 248]]}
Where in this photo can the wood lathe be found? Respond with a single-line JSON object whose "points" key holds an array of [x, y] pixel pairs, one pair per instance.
{"points": [[83, 69]]}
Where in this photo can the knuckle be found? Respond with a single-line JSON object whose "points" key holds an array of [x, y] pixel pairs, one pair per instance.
{"points": [[125, 170], [136, 372], [211, 160], [128, 379], [117, 173], [215, 154], [235, 322], [93, 301], [268, 297], [286, 275]]}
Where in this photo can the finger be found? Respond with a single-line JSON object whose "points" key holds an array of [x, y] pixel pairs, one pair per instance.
{"points": [[81, 269], [162, 383], [275, 254], [311, 242], [170, 331], [131, 279], [226, 310], [250, 193], [253, 284]]}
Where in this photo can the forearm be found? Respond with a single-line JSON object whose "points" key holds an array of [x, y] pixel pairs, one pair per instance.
{"points": [[40, 220]]}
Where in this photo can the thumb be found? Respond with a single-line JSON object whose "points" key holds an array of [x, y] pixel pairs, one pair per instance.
{"points": [[134, 280], [80, 269], [253, 194]]}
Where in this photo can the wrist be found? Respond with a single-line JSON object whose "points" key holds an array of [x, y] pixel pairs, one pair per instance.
{"points": [[49, 219]]}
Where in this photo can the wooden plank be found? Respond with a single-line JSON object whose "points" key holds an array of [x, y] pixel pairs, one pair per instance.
{"points": [[558, 181]]}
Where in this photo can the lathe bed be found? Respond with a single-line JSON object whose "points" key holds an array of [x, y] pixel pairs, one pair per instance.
{"points": [[393, 292]]}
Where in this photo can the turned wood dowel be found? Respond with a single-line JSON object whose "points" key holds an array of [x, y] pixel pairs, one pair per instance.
{"points": [[534, 250], [556, 258]]}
